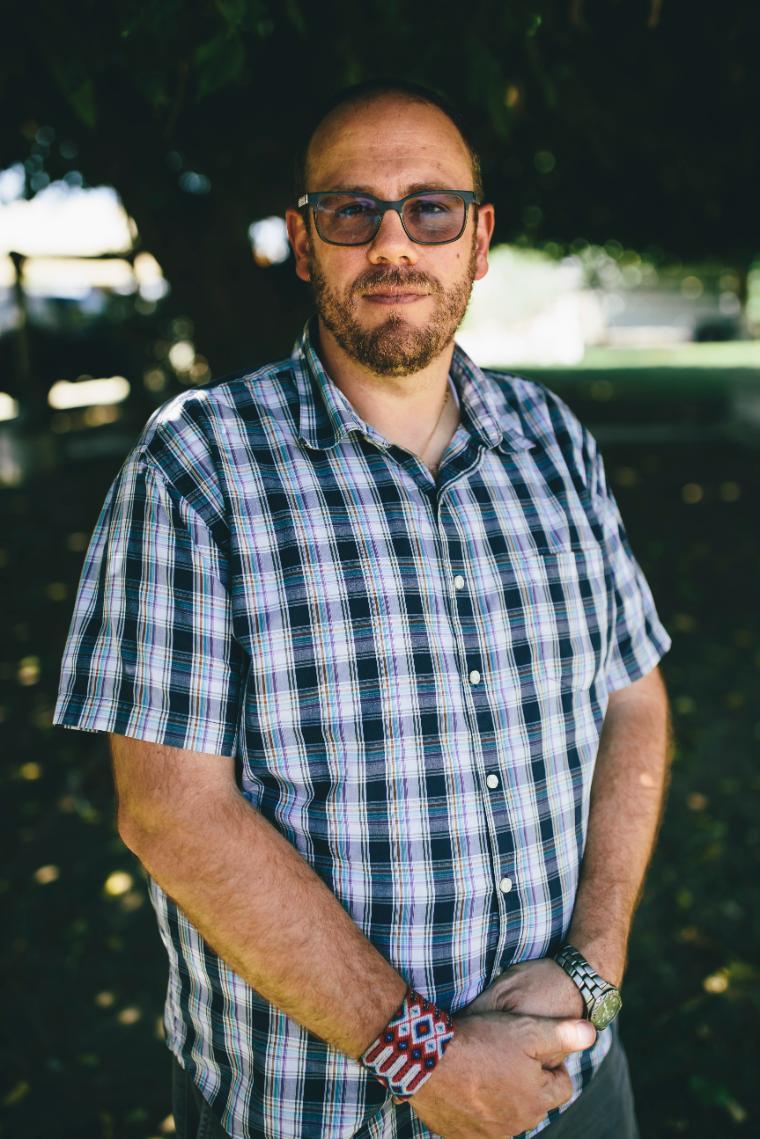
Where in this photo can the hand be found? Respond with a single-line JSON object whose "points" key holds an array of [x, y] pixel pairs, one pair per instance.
{"points": [[534, 988], [500, 1075]]}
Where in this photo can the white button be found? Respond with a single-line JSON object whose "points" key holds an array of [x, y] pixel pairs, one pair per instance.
{"points": [[474, 677], [492, 780], [459, 582], [505, 885]]}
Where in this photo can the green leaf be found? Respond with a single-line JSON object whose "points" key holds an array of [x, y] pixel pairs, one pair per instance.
{"points": [[219, 62], [296, 18], [234, 12], [82, 100]]}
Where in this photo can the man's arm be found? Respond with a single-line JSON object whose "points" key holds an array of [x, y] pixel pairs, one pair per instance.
{"points": [[272, 919], [627, 798], [250, 894]]}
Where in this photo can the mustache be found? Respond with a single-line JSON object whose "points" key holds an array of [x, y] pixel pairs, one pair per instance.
{"points": [[375, 280]]}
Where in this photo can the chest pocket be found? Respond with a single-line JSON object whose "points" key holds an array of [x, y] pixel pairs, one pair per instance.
{"points": [[555, 609]]}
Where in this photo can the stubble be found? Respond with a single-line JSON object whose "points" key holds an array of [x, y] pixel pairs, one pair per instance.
{"points": [[396, 347]]}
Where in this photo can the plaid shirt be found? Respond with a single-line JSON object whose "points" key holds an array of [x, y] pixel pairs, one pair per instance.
{"points": [[411, 674]]}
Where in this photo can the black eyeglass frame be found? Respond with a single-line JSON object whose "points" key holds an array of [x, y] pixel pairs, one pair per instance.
{"points": [[315, 196]]}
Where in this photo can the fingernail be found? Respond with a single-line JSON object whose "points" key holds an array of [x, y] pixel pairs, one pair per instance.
{"points": [[586, 1033]]}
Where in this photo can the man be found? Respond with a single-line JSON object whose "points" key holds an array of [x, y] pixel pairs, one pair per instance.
{"points": [[364, 626]]}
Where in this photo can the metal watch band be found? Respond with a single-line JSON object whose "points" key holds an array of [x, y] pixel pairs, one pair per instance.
{"points": [[591, 985]]}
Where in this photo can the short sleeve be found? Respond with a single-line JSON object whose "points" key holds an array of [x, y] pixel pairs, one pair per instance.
{"points": [[150, 652], [638, 639]]}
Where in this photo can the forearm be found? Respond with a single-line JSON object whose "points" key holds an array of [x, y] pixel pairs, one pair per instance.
{"points": [[270, 917], [627, 798]]}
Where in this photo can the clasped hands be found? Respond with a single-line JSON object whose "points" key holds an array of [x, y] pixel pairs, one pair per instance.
{"points": [[504, 1069], [533, 988]]}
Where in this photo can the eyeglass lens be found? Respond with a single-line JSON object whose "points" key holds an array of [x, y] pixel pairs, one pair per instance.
{"points": [[350, 219]]}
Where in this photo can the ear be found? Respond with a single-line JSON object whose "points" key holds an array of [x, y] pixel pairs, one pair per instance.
{"points": [[298, 236], [483, 235]]}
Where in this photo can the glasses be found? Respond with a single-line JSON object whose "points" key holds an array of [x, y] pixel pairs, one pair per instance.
{"points": [[429, 217]]}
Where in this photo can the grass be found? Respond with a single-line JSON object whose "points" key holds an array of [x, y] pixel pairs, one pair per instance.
{"points": [[694, 357]]}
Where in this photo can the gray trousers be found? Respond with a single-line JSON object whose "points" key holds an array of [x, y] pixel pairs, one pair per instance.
{"points": [[603, 1111]]}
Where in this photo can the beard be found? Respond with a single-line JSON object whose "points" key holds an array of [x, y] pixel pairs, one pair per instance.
{"points": [[396, 347]]}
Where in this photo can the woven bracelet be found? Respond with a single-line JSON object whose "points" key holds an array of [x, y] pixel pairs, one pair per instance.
{"points": [[406, 1052]]}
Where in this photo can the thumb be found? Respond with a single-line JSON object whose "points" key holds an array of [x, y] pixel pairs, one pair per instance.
{"points": [[556, 1038]]}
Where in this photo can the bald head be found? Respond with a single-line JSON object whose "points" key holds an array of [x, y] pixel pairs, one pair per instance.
{"points": [[359, 108]]}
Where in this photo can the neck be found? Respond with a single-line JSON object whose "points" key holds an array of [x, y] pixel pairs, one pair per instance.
{"points": [[405, 409]]}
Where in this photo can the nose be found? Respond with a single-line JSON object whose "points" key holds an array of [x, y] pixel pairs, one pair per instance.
{"points": [[391, 245]]}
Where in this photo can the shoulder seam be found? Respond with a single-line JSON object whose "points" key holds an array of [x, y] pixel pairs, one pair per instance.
{"points": [[151, 464]]}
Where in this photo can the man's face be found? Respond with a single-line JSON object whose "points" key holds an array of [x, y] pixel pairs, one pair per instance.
{"points": [[391, 305]]}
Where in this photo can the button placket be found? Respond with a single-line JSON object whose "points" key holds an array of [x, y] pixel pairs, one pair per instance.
{"points": [[465, 615]]}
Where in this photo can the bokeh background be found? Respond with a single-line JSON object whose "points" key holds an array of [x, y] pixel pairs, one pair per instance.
{"points": [[145, 165]]}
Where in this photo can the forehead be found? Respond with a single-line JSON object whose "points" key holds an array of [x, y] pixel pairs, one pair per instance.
{"points": [[387, 144]]}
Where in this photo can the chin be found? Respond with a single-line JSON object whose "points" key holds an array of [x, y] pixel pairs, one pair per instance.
{"points": [[397, 326]]}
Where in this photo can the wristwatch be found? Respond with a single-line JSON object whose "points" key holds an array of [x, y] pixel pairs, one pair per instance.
{"points": [[602, 999]]}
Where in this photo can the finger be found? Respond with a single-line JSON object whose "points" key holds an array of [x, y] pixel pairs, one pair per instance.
{"points": [[480, 1004], [555, 1038], [558, 1087]]}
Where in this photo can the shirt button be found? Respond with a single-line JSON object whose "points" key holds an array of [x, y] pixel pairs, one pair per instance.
{"points": [[459, 582], [474, 677], [505, 885], [492, 781]]}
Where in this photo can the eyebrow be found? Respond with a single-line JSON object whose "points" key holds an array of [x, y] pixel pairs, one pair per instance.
{"points": [[414, 188]]}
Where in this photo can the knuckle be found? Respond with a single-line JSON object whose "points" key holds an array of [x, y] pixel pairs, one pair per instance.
{"points": [[527, 1031], [563, 1088]]}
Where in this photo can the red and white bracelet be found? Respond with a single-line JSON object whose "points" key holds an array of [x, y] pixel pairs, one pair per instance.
{"points": [[407, 1051]]}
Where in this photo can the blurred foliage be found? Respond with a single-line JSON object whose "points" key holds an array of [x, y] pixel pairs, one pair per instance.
{"points": [[597, 119], [83, 965]]}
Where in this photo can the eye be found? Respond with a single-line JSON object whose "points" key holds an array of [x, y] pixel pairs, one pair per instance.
{"points": [[343, 207], [432, 205], [354, 210]]}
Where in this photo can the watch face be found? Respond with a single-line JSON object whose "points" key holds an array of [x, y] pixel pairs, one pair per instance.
{"points": [[606, 1009]]}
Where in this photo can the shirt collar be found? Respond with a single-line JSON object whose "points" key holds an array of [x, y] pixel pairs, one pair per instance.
{"points": [[326, 415]]}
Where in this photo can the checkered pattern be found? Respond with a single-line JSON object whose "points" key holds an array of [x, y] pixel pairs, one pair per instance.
{"points": [[412, 676], [406, 1052]]}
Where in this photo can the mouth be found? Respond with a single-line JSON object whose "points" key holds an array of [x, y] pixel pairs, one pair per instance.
{"points": [[394, 297]]}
